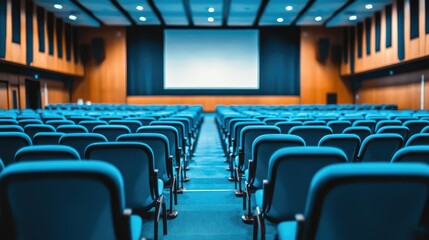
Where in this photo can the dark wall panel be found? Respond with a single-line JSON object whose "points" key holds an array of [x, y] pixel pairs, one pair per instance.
{"points": [[359, 39], [16, 21], [377, 31], [2, 28], [388, 26], [401, 28], [368, 23], [345, 45], [427, 16], [59, 32], [50, 25], [75, 44], [352, 31], [414, 19], [41, 28], [29, 30], [68, 40]]}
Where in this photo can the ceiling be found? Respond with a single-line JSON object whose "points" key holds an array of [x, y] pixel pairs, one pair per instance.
{"points": [[213, 13]]}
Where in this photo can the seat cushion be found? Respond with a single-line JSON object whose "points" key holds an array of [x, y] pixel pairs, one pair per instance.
{"points": [[160, 186], [287, 230], [259, 195], [136, 227]]}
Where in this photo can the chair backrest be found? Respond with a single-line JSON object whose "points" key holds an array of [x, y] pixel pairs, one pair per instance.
{"points": [[237, 133], [47, 138], [314, 123], [25, 122], [401, 130], [57, 123], [347, 142], [338, 126], [415, 126], [248, 136], [287, 125], [418, 139], [233, 123], [160, 148], [135, 162], [76, 195], [367, 201], [412, 154], [290, 172], [46, 152], [380, 147], [133, 125], [361, 131], [72, 129], [11, 128], [8, 122], [272, 121], [80, 141], [111, 132], [180, 127], [383, 123], [145, 121], [263, 148], [77, 119], [365, 123], [90, 124], [311, 134], [32, 129], [10, 143]]}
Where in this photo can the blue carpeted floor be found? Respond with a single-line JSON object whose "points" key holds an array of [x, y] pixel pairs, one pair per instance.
{"points": [[208, 209]]}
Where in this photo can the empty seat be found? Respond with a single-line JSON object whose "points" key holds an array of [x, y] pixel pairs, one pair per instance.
{"points": [[90, 124], [286, 126], [418, 139], [383, 123], [412, 154], [365, 201], [32, 129], [111, 132], [133, 125], [379, 147], [401, 130], [272, 121], [80, 200], [10, 143], [47, 138], [365, 123], [361, 131], [46, 152], [80, 141], [347, 142], [25, 122], [311, 134], [57, 123], [72, 129], [338, 126], [8, 122], [415, 126], [11, 128]]}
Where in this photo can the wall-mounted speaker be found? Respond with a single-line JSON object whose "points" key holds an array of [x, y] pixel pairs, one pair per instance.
{"points": [[84, 53], [331, 98], [336, 53], [98, 52], [322, 49]]}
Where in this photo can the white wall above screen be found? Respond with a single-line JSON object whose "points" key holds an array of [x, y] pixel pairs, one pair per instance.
{"points": [[211, 59]]}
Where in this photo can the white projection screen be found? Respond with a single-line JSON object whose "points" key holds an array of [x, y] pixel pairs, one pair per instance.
{"points": [[211, 59]]}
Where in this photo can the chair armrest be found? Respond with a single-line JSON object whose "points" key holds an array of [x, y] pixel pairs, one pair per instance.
{"points": [[300, 220], [155, 183], [170, 166], [267, 194], [252, 171]]}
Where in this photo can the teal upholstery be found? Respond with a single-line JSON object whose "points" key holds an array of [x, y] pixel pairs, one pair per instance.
{"points": [[418, 139], [72, 129], [11, 128], [338, 126], [47, 138], [412, 154], [111, 132], [80, 141], [46, 152], [347, 142], [285, 126], [311, 134], [361, 131], [90, 124], [32, 129], [133, 125], [401, 130], [80, 200], [415, 126], [10, 143], [379, 147], [57, 123]]}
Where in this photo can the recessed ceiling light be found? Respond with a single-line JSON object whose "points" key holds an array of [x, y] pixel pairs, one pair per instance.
{"points": [[73, 17], [211, 9], [318, 18], [140, 8], [352, 18], [289, 8], [210, 19], [280, 20], [143, 19], [368, 6], [58, 6]]}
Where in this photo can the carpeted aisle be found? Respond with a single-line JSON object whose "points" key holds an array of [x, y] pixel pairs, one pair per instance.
{"points": [[208, 209]]}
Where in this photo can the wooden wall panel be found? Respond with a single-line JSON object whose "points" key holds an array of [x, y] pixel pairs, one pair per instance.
{"points": [[15, 52]]}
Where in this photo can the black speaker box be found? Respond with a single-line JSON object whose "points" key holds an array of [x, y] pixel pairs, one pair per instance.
{"points": [[322, 49], [98, 53], [84, 53], [331, 98]]}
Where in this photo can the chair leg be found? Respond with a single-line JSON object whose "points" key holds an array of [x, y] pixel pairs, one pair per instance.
{"points": [[255, 227], [249, 217], [240, 192], [231, 169], [156, 220], [175, 190], [172, 213], [164, 218]]}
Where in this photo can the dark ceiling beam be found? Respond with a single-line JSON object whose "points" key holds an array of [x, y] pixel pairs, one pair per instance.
{"points": [[123, 11], [339, 11], [226, 10], [303, 11], [188, 12], [87, 11], [156, 11], [260, 12]]}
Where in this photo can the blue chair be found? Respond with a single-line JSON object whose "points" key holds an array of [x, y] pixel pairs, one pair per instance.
{"points": [[32, 129], [314, 123], [133, 125], [273, 120], [72, 129], [8, 122], [80, 200], [365, 123], [46, 152], [290, 173], [401, 130], [412, 154], [383, 123], [143, 189], [79, 118], [364, 201], [47, 138], [248, 136], [311, 134], [145, 121], [415, 126], [111, 132], [57, 123], [90, 124], [379, 147], [162, 158], [349, 143], [10, 143], [25, 122], [361, 131], [80, 141], [418, 139], [11, 128], [287, 125], [263, 148], [338, 126]]}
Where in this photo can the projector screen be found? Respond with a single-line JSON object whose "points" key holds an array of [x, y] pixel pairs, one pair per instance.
{"points": [[211, 59]]}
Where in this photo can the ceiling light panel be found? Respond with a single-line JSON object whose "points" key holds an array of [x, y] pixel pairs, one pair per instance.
{"points": [[173, 12], [243, 12], [106, 12], [276, 9], [357, 8], [200, 13], [69, 8], [320, 8], [138, 14]]}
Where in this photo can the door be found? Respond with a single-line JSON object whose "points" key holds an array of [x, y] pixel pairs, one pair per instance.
{"points": [[32, 94], [4, 98]]}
